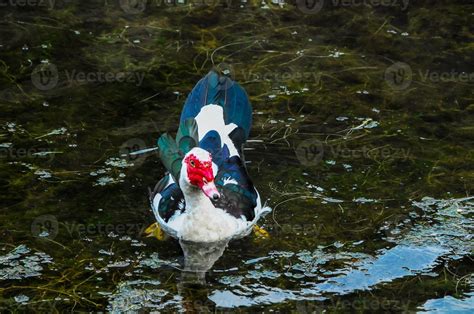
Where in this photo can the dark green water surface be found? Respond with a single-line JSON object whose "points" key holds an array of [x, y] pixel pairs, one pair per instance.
{"points": [[362, 143]]}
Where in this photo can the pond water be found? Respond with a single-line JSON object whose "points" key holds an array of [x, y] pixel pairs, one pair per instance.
{"points": [[362, 143]]}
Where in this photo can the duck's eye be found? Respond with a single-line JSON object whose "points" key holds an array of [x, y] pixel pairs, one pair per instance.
{"points": [[204, 180], [191, 162]]}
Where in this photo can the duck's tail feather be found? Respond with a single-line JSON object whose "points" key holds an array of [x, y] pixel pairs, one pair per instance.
{"points": [[170, 155], [220, 89]]}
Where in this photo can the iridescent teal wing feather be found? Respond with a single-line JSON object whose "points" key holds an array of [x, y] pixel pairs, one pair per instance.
{"points": [[172, 152]]}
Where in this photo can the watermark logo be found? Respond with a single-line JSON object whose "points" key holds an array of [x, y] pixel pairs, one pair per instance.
{"points": [[45, 76], [310, 6], [133, 6], [130, 146], [45, 226], [105, 77], [49, 4], [20, 153], [357, 305], [283, 76], [398, 76], [444, 77], [310, 152]]}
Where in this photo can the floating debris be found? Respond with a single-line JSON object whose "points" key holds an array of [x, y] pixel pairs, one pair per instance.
{"points": [[43, 174], [119, 264], [154, 262], [104, 252], [364, 200], [59, 131], [12, 127], [336, 54], [21, 263], [21, 298], [139, 295]]}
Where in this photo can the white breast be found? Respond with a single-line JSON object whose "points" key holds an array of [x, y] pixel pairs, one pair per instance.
{"points": [[206, 225]]}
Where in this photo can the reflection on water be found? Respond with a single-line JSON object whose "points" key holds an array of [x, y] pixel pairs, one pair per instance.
{"points": [[415, 253], [200, 257], [449, 304]]}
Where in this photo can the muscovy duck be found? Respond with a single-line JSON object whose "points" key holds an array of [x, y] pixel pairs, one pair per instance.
{"points": [[207, 195]]}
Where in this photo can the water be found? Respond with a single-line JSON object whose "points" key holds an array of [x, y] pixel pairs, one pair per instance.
{"points": [[362, 144]]}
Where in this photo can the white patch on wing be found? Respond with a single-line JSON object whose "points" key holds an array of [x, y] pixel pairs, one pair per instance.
{"points": [[181, 204], [156, 203], [215, 169], [211, 118], [229, 180], [158, 197]]}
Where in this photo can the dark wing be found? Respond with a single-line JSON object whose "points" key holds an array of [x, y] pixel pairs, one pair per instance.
{"points": [[171, 198], [238, 194]]}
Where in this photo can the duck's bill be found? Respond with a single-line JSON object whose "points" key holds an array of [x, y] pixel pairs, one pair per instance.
{"points": [[210, 190]]}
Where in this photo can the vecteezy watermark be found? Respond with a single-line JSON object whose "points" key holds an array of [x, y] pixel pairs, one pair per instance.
{"points": [[45, 76], [49, 4], [311, 151], [399, 76], [111, 230], [105, 77], [133, 6], [283, 76], [310, 6], [129, 147], [315, 6], [337, 304], [48, 227], [451, 76], [10, 152], [45, 226]]}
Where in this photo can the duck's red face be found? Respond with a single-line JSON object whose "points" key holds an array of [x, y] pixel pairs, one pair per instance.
{"points": [[200, 174]]}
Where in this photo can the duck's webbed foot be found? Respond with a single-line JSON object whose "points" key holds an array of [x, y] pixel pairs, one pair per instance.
{"points": [[260, 232], [154, 230]]}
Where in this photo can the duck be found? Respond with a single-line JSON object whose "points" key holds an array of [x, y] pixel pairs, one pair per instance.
{"points": [[207, 194]]}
